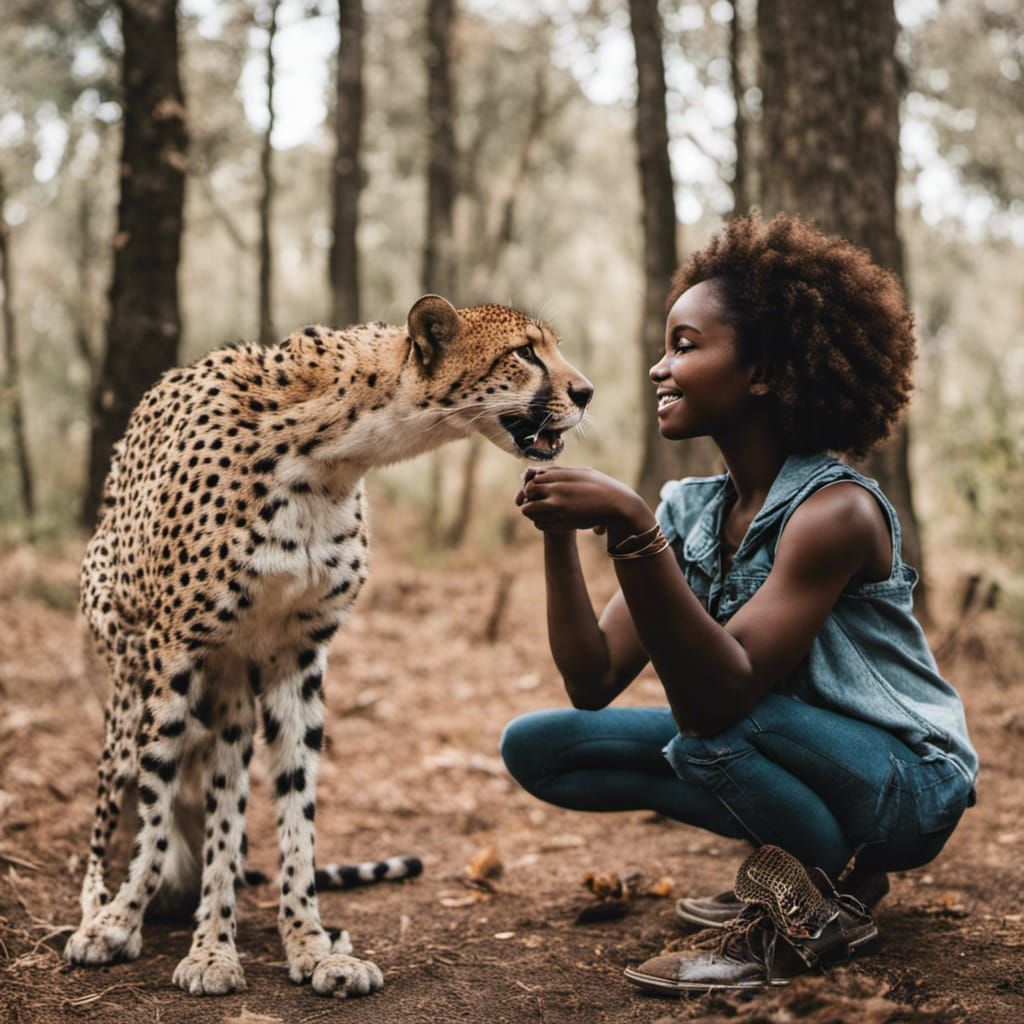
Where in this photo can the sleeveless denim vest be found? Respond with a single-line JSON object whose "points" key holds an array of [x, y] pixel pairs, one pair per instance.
{"points": [[870, 660]]}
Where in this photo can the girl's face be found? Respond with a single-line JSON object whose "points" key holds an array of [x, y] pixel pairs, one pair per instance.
{"points": [[702, 387]]}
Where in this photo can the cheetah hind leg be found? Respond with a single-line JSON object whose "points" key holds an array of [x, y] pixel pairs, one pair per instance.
{"points": [[116, 776], [178, 896]]}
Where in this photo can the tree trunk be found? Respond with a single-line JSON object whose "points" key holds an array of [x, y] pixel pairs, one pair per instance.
{"points": [[145, 324], [348, 173], [12, 375], [830, 152], [740, 179], [661, 460], [439, 244], [266, 271]]}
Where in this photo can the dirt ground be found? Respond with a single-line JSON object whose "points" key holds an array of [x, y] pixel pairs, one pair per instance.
{"points": [[417, 698]]}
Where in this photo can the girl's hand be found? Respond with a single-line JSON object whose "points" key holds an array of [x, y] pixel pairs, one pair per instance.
{"points": [[563, 499]]}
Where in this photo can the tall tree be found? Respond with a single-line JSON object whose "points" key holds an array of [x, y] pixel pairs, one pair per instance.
{"points": [[660, 461], [266, 207], [12, 375], [439, 243], [830, 130], [348, 173], [145, 324], [741, 184]]}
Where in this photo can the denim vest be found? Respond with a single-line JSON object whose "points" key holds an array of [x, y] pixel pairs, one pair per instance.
{"points": [[870, 660]]}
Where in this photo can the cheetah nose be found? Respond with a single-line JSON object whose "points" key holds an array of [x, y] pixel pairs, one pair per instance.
{"points": [[581, 394]]}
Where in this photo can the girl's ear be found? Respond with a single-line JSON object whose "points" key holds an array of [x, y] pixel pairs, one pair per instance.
{"points": [[758, 384]]}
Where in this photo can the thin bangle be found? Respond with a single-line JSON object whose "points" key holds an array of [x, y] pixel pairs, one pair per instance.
{"points": [[635, 542], [654, 547]]}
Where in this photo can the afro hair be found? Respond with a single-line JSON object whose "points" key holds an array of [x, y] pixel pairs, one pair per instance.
{"points": [[830, 328]]}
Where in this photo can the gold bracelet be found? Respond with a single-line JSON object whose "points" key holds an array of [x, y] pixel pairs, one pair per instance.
{"points": [[634, 542], [653, 547]]}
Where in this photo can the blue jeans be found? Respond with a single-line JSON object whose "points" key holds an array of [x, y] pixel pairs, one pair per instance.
{"points": [[816, 783]]}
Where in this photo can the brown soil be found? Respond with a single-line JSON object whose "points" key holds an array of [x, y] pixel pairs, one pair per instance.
{"points": [[417, 702]]}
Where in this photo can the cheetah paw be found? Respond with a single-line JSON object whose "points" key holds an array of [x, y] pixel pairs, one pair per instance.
{"points": [[97, 943], [341, 975], [210, 974]]}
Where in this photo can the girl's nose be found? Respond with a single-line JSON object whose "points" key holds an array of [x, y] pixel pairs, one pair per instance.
{"points": [[659, 371]]}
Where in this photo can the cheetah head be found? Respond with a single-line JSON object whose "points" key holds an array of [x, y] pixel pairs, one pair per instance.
{"points": [[499, 372]]}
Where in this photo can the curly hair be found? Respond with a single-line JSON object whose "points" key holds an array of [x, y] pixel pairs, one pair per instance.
{"points": [[830, 327]]}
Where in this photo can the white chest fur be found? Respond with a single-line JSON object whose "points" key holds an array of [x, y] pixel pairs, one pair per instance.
{"points": [[307, 559]]}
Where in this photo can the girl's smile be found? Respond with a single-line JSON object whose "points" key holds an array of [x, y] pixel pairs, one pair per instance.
{"points": [[702, 385], [666, 397]]}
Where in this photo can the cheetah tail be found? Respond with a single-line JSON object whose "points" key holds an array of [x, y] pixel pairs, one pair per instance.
{"points": [[345, 876]]}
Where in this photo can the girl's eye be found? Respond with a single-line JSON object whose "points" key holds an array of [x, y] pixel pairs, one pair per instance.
{"points": [[683, 347]]}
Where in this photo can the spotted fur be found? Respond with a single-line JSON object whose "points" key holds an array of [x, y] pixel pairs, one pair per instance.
{"points": [[231, 546]]}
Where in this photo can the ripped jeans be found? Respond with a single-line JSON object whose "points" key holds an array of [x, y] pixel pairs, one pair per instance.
{"points": [[820, 785]]}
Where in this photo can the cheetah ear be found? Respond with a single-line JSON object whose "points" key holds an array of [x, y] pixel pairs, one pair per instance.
{"points": [[433, 322]]}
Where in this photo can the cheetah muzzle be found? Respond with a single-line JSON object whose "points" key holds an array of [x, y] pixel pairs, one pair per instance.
{"points": [[231, 545]]}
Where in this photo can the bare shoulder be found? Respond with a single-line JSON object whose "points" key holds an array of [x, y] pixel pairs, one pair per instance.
{"points": [[838, 528]]}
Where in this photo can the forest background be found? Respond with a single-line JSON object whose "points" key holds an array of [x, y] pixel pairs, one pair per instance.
{"points": [[492, 151], [179, 174]]}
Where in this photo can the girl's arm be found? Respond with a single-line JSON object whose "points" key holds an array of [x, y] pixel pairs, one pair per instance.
{"points": [[715, 675], [597, 659]]}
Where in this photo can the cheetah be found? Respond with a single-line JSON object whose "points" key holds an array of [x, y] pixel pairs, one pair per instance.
{"points": [[232, 543]]}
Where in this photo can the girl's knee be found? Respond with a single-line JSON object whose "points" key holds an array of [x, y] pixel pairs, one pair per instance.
{"points": [[514, 746], [524, 746]]}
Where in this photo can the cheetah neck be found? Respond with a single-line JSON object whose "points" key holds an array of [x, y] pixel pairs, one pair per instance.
{"points": [[366, 403]]}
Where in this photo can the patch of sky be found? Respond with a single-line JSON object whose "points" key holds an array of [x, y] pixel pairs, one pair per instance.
{"points": [[51, 136], [914, 14], [87, 61], [12, 129]]}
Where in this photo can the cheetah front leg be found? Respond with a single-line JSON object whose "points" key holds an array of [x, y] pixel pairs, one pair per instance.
{"points": [[293, 711], [115, 931], [212, 966]]}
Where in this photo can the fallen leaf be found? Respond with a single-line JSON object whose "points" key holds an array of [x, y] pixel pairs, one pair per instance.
{"points": [[662, 888], [605, 886], [486, 864]]}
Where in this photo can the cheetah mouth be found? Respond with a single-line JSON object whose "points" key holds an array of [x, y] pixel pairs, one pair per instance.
{"points": [[541, 443]]}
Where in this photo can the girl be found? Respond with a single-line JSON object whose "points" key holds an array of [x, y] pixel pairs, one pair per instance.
{"points": [[805, 711]]}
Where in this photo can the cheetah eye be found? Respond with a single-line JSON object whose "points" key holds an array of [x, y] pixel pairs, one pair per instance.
{"points": [[525, 352]]}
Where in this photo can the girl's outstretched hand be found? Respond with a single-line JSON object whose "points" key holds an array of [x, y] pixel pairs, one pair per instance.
{"points": [[562, 499]]}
